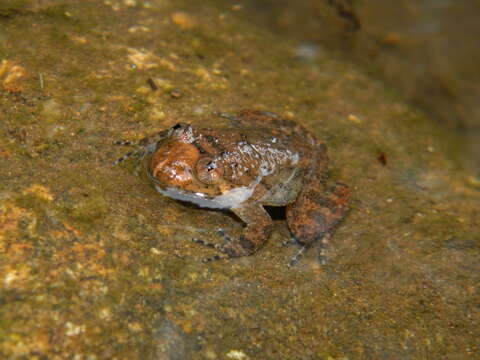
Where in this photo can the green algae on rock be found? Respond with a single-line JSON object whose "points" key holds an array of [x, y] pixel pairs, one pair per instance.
{"points": [[95, 264]]}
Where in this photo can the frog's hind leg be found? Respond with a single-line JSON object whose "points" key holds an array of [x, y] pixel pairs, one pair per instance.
{"points": [[315, 215]]}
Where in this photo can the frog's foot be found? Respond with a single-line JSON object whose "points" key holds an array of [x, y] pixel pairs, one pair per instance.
{"points": [[129, 155], [252, 238], [125, 143], [322, 255], [229, 248], [296, 258], [299, 254], [132, 154], [290, 242], [218, 247], [147, 145], [323, 245]]}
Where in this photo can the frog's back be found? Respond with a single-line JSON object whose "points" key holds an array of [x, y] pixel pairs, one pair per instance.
{"points": [[260, 125]]}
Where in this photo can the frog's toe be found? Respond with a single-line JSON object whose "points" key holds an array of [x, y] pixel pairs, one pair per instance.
{"points": [[132, 154], [322, 254], [322, 259], [224, 235], [208, 244], [296, 258], [290, 242], [230, 248], [211, 246], [124, 143], [225, 254], [234, 249], [215, 258], [225, 115]]}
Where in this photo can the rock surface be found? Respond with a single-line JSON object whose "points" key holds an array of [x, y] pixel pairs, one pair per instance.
{"points": [[94, 264], [427, 50]]}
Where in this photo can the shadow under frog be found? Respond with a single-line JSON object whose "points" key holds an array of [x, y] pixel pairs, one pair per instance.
{"points": [[261, 160]]}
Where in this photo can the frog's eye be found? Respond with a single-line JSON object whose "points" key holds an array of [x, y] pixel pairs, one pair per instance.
{"points": [[208, 170], [182, 132]]}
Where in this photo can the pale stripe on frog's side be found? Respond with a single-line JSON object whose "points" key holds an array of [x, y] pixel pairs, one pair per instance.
{"points": [[228, 200]]}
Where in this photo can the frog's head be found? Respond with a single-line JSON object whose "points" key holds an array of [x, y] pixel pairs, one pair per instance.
{"points": [[179, 164]]}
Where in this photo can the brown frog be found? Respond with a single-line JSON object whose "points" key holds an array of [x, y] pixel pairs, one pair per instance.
{"points": [[259, 160]]}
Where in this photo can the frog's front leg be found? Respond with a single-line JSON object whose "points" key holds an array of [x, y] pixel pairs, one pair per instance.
{"points": [[256, 232], [145, 146], [258, 227]]}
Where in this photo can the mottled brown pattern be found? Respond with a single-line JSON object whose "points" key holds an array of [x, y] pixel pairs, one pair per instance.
{"points": [[261, 160]]}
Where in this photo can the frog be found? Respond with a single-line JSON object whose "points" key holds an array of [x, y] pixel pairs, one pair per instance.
{"points": [[260, 159]]}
